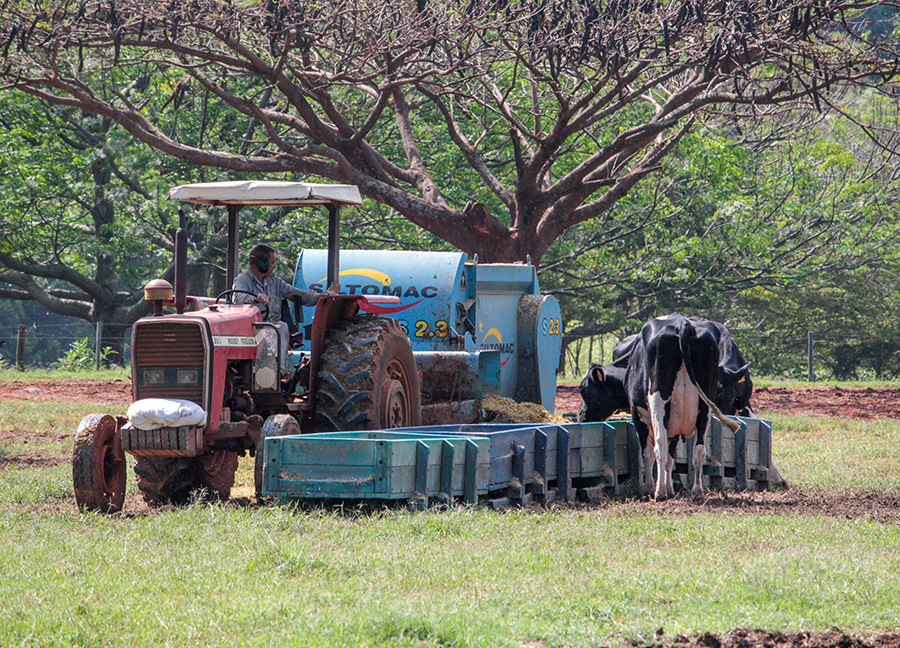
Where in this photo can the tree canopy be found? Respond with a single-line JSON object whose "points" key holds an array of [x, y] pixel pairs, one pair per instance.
{"points": [[648, 156], [496, 126]]}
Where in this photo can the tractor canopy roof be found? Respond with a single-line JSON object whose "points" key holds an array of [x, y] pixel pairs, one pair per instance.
{"points": [[257, 192]]}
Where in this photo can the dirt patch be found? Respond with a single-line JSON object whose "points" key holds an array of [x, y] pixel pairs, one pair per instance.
{"points": [[867, 404], [112, 392], [870, 403], [761, 639], [33, 460], [876, 507]]}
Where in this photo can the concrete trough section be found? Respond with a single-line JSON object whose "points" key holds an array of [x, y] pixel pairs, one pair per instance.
{"points": [[501, 464]]}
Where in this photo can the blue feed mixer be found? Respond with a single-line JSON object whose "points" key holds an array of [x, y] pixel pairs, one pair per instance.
{"points": [[477, 330]]}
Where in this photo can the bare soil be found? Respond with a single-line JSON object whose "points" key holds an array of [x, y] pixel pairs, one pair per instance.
{"points": [[106, 392], [867, 404], [760, 639]]}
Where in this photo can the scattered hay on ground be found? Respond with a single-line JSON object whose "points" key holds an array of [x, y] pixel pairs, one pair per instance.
{"points": [[506, 410]]}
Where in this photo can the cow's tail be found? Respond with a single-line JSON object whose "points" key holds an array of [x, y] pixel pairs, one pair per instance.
{"points": [[684, 338]]}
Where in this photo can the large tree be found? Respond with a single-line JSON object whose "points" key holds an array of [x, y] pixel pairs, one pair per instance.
{"points": [[67, 230], [783, 207], [82, 225], [497, 126]]}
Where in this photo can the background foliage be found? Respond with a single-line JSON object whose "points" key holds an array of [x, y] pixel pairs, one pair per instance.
{"points": [[776, 225]]}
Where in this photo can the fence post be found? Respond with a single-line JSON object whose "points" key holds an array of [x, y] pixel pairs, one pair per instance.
{"points": [[809, 354], [20, 348], [98, 337]]}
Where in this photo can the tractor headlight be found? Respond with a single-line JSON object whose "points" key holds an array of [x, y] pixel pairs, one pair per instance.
{"points": [[171, 376], [188, 376], [153, 376]]}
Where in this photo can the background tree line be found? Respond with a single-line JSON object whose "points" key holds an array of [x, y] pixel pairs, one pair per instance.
{"points": [[736, 161]]}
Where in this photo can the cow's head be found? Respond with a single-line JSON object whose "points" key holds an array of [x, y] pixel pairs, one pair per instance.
{"points": [[602, 393], [734, 390]]}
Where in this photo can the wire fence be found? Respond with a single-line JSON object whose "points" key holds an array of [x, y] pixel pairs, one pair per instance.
{"points": [[46, 344]]}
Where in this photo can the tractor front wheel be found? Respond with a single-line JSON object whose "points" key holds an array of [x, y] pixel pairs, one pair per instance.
{"points": [[368, 378], [277, 425], [98, 465]]}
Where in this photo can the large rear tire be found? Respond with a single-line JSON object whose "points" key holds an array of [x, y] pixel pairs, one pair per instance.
{"points": [[277, 425], [167, 480], [368, 378], [98, 465]]}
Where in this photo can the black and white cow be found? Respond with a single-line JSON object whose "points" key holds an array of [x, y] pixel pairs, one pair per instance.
{"points": [[734, 387], [666, 376], [733, 390]]}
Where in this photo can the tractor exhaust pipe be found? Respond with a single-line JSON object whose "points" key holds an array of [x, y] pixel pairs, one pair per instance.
{"points": [[180, 264]]}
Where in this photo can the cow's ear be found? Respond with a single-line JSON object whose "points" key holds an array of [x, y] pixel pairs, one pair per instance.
{"points": [[598, 374]]}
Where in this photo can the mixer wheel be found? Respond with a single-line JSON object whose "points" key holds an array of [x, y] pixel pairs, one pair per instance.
{"points": [[368, 378], [277, 425]]}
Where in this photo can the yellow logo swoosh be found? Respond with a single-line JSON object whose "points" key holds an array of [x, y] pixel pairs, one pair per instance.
{"points": [[375, 275], [493, 332]]}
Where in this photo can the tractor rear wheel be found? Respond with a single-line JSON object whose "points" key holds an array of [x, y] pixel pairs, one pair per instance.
{"points": [[216, 471], [166, 480], [277, 425], [98, 465], [368, 378]]}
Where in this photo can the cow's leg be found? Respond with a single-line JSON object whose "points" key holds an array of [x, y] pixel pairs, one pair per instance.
{"points": [[649, 464], [645, 439], [670, 465], [661, 445], [703, 423]]}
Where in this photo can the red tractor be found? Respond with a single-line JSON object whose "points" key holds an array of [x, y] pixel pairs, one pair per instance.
{"points": [[206, 382]]}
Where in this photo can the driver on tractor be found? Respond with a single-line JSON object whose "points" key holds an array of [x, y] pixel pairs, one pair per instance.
{"points": [[259, 285]]}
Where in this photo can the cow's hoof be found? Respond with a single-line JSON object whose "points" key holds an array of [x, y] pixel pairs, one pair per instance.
{"points": [[697, 493]]}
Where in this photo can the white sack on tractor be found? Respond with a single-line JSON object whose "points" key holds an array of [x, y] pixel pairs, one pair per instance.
{"points": [[154, 413]]}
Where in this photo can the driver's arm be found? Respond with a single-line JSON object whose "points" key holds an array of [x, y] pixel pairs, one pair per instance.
{"points": [[307, 297], [245, 282]]}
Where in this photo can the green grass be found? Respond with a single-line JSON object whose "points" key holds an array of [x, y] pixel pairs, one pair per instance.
{"points": [[224, 576], [229, 575], [838, 454], [48, 428], [30, 375]]}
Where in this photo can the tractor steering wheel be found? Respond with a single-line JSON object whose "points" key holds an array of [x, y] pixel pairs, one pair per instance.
{"points": [[263, 308]]}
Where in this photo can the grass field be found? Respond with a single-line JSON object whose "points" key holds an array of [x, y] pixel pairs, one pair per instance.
{"points": [[238, 575], [31, 375]]}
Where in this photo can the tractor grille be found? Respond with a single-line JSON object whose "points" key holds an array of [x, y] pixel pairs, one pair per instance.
{"points": [[169, 361]]}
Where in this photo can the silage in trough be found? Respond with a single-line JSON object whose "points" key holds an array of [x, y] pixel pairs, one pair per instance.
{"points": [[506, 410]]}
